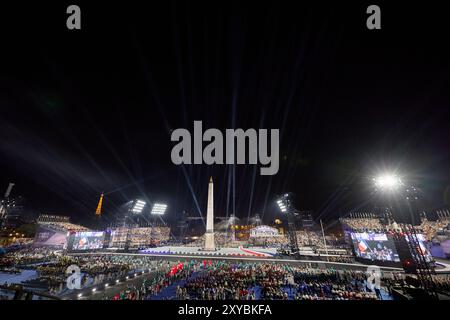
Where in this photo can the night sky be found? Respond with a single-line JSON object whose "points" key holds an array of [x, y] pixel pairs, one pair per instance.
{"points": [[91, 110]]}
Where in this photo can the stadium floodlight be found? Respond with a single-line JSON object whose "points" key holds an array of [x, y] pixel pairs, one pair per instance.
{"points": [[138, 206], [282, 205], [387, 182], [159, 208]]}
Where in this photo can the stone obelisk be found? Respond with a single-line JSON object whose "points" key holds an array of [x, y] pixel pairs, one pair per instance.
{"points": [[209, 235]]}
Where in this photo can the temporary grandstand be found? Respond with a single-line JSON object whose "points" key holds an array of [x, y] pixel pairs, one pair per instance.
{"points": [[361, 221], [135, 237], [61, 223]]}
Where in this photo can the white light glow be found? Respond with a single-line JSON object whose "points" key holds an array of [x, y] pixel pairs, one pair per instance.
{"points": [[138, 206], [282, 206], [159, 208], [388, 182]]}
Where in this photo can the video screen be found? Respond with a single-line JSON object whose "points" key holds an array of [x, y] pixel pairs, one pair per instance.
{"points": [[423, 246], [374, 246], [88, 240], [48, 237]]}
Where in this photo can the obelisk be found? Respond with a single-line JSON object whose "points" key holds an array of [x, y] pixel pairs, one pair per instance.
{"points": [[209, 235]]}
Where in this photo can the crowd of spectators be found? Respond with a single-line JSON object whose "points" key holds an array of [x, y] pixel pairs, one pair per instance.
{"points": [[65, 226], [304, 238], [431, 228], [222, 280], [51, 267], [28, 256], [139, 237], [341, 258], [362, 224], [95, 269], [270, 242], [442, 282], [309, 238], [221, 239], [206, 280]]}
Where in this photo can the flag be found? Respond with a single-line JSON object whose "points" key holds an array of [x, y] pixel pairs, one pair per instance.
{"points": [[362, 246], [422, 249]]}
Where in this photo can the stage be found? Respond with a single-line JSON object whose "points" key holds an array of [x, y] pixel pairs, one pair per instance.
{"points": [[201, 255], [259, 252]]}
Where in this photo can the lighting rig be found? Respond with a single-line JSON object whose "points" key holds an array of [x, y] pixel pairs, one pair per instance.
{"points": [[392, 185], [285, 203]]}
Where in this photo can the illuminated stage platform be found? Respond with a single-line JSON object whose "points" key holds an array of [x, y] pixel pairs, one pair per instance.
{"points": [[178, 257], [231, 252]]}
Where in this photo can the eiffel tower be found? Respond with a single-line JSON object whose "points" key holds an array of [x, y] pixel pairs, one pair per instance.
{"points": [[98, 211]]}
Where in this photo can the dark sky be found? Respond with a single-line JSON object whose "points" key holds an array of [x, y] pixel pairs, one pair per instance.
{"points": [[89, 111]]}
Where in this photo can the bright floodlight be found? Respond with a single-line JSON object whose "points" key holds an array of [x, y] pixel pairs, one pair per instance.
{"points": [[138, 206], [159, 208], [387, 182], [282, 205]]}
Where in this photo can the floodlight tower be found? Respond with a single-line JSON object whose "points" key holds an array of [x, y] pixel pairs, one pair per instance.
{"points": [[136, 208], [5, 204], [286, 206], [392, 185]]}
